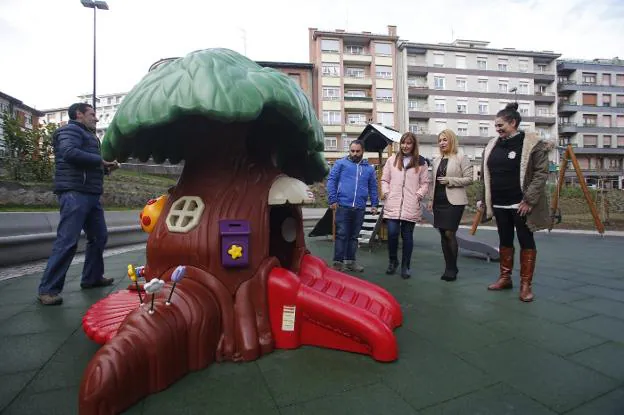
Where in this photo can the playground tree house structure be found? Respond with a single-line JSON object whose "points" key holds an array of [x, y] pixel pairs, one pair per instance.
{"points": [[249, 139]]}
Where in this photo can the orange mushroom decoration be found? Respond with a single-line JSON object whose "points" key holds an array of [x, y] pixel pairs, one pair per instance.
{"points": [[151, 212]]}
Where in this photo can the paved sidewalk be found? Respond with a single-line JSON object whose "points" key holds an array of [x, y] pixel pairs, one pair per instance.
{"points": [[463, 350]]}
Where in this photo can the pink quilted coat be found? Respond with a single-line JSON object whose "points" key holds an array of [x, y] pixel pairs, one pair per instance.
{"points": [[403, 190]]}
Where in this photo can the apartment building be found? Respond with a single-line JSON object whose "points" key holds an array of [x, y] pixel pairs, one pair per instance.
{"points": [[462, 85], [25, 115], [106, 107], [591, 117], [355, 78]]}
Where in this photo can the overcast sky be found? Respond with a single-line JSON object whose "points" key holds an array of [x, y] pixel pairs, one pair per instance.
{"points": [[46, 46]]}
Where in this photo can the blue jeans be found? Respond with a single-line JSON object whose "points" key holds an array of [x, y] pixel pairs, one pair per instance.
{"points": [[78, 211], [348, 224], [406, 229]]}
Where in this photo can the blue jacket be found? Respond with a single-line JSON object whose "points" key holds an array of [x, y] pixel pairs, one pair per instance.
{"points": [[78, 161], [350, 184]]}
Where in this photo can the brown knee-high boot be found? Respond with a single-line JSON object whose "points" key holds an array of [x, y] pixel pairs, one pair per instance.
{"points": [[527, 267], [506, 266]]}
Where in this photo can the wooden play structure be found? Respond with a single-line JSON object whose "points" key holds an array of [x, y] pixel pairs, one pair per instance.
{"points": [[555, 212]]}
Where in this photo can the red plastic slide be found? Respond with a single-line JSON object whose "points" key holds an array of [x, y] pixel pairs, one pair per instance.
{"points": [[326, 308]]}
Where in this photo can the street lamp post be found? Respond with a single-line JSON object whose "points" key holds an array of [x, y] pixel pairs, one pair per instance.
{"points": [[102, 5]]}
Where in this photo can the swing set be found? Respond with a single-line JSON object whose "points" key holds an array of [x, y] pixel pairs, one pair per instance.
{"points": [[555, 211]]}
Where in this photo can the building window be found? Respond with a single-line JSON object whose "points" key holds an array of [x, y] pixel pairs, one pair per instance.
{"points": [[383, 49], [523, 88], [461, 84], [606, 121], [440, 105], [356, 119], [606, 100], [606, 79], [606, 141], [460, 62], [619, 101], [412, 104], [354, 72], [590, 120], [386, 118], [619, 79], [418, 129], [331, 94], [462, 107], [620, 141], [484, 108], [523, 66], [346, 143], [543, 111], [483, 85], [503, 65], [523, 109], [330, 45], [384, 94], [438, 60], [541, 90], [541, 68], [620, 121], [331, 117], [355, 93], [295, 77], [503, 86], [384, 72], [482, 63], [438, 82], [484, 130], [462, 129], [354, 50], [330, 69], [589, 78], [440, 126], [590, 140], [331, 143], [590, 99]]}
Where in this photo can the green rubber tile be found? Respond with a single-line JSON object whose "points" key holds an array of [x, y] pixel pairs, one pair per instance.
{"points": [[606, 327], [555, 338], [57, 402], [495, 400], [551, 380], [602, 306], [42, 319], [367, 400], [10, 310], [12, 385], [29, 351], [557, 294], [307, 373], [451, 331], [607, 358], [425, 374], [542, 308], [233, 394], [610, 404], [601, 292]]}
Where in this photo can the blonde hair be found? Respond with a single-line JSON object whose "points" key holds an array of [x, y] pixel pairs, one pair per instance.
{"points": [[452, 141], [398, 162]]}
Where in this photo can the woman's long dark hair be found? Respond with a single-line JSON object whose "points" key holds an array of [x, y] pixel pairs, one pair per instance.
{"points": [[398, 162]]}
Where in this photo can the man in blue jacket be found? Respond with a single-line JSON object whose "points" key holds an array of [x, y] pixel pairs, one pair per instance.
{"points": [[78, 182], [350, 183]]}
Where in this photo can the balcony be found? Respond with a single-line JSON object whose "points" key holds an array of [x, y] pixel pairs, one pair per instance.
{"points": [[567, 128], [419, 114], [332, 128], [360, 81], [419, 91], [572, 86], [417, 70], [356, 58], [588, 128], [573, 106], [543, 78], [358, 102]]}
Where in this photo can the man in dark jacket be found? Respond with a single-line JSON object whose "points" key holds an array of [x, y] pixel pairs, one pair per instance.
{"points": [[78, 184], [350, 183]]}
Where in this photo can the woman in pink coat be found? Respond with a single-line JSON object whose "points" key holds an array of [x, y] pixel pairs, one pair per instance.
{"points": [[404, 184]]}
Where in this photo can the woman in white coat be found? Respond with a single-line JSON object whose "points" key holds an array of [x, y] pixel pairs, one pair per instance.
{"points": [[452, 172]]}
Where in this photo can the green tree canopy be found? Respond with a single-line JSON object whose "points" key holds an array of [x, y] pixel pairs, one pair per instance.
{"points": [[223, 86]]}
